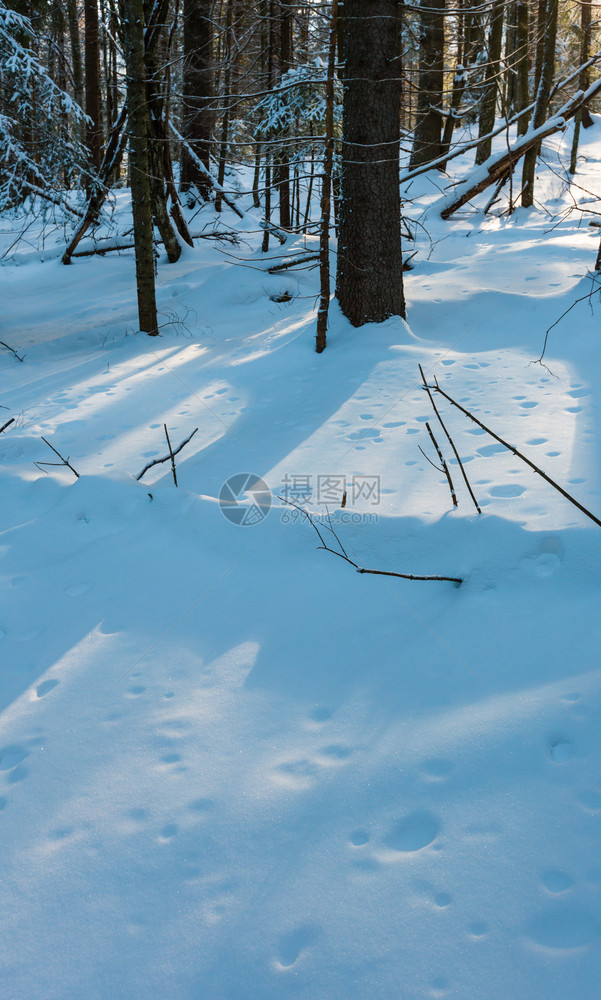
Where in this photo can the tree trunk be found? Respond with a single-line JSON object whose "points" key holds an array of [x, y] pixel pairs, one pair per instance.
{"points": [[94, 137], [324, 236], [542, 100], [489, 97], [521, 66], [369, 283], [427, 144], [140, 164], [583, 82], [198, 82]]}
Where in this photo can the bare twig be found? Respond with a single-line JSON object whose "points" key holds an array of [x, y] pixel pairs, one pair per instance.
{"points": [[518, 454], [449, 439], [342, 554], [12, 350], [171, 454], [444, 465], [167, 458], [582, 298], [7, 424], [63, 461]]}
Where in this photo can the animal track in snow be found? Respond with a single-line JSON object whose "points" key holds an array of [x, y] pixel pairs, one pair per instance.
{"points": [[555, 881], [561, 750], [562, 927], [11, 756], [412, 833], [45, 688], [359, 838], [295, 944], [508, 491]]}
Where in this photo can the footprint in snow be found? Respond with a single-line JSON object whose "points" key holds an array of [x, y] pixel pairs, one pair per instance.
{"points": [[560, 751], [556, 881], [77, 589], [413, 833], [295, 944], [562, 927], [45, 688]]}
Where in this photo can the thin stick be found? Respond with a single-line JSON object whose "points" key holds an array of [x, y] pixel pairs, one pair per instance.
{"points": [[450, 440], [12, 350], [510, 447], [343, 555], [444, 465], [171, 455], [7, 424], [64, 461], [292, 263]]}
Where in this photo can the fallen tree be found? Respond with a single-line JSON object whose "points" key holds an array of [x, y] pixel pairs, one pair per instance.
{"points": [[499, 166]]}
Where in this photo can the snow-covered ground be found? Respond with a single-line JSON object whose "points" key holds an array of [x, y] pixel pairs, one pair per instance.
{"points": [[232, 768]]}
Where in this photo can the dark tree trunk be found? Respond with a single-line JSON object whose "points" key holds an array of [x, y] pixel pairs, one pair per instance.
{"points": [[427, 138], [542, 100], [282, 169], [76, 63], [521, 65], [140, 164], [326, 188], [491, 83], [92, 74], [583, 82], [198, 119], [369, 282]]}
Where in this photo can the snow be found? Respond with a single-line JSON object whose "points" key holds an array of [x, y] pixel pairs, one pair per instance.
{"points": [[230, 766]]}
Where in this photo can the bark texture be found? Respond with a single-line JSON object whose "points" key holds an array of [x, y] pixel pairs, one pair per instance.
{"points": [[427, 138], [139, 164], [198, 119], [369, 282]]}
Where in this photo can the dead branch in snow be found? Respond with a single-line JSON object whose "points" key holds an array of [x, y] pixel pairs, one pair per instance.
{"points": [[295, 262], [444, 467], [518, 454], [582, 298], [169, 457], [7, 424], [12, 350], [109, 246], [498, 166], [63, 461], [450, 440], [360, 569]]}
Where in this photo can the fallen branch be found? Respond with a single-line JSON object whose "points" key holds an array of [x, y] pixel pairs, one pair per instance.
{"points": [[518, 454], [12, 350], [500, 165], [7, 424], [343, 555], [449, 439], [169, 457], [63, 461], [295, 262], [112, 157], [582, 298], [110, 246], [444, 467]]}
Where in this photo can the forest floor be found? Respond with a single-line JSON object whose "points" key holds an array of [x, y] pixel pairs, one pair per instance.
{"points": [[231, 767]]}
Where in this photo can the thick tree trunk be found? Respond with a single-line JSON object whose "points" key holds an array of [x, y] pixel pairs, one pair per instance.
{"points": [[489, 97], [369, 283], [326, 188], [542, 100], [140, 164], [94, 137], [427, 142], [198, 119]]}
